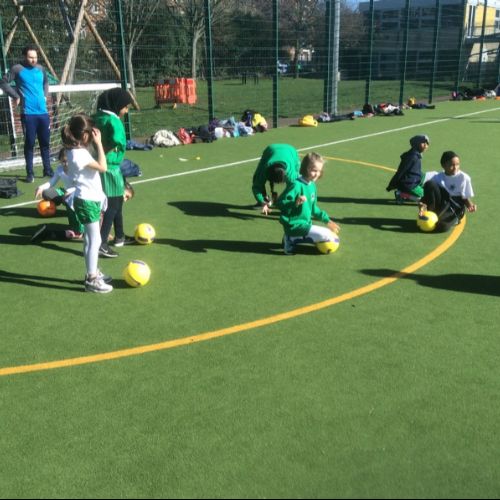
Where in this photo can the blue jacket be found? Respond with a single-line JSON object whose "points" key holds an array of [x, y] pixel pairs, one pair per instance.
{"points": [[32, 86]]}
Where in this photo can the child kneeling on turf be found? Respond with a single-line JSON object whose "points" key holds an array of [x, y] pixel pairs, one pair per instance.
{"points": [[298, 205], [408, 181], [60, 195], [448, 194]]}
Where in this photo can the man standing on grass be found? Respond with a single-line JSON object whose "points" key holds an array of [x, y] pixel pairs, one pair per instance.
{"points": [[31, 92]]}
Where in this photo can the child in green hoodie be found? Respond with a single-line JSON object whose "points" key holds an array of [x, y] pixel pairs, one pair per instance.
{"points": [[299, 207], [279, 164]]}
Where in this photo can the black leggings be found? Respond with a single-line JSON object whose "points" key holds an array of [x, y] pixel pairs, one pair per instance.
{"points": [[449, 209], [113, 216]]}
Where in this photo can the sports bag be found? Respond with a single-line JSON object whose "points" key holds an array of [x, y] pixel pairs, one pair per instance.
{"points": [[184, 136], [8, 188]]}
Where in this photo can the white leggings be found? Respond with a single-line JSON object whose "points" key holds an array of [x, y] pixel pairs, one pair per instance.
{"points": [[316, 234], [91, 245]]}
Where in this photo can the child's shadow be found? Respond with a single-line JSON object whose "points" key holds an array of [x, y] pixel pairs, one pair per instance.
{"points": [[38, 281], [22, 236], [209, 209], [382, 224], [362, 201], [28, 212], [479, 284], [202, 246]]}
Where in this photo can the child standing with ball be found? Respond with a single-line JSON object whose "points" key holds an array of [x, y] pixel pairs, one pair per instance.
{"points": [[299, 207], [448, 194], [89, 199]]}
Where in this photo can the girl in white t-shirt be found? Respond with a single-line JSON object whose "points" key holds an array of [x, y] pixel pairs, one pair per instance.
{"points": [[448, 193], [89, 199]]}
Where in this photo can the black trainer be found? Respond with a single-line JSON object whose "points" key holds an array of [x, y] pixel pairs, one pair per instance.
{"points": [[126, 240], [105, 251]]}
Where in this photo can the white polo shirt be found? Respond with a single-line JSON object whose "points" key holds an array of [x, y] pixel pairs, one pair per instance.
{"points": [[457, 185], [87, 181]]}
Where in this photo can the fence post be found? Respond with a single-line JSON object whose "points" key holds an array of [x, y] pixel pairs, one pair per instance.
{"points": [[330, 97], [435, 49], [123, 58], [275, 63], [460, 44], [370, 54], [6, 107], [404, 52], [481, 46], [210, 61]]}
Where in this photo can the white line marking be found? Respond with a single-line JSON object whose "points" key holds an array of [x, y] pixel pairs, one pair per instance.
{"points": [[326, 144]]}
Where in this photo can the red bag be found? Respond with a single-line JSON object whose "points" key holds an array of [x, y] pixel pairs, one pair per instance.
{"points": [[184, 136]]}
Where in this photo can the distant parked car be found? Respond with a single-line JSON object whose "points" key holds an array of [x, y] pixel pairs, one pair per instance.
{"points": [[283, 68]]}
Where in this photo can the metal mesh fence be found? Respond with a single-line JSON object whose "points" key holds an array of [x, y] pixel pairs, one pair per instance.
{"points": [[277, 66]]}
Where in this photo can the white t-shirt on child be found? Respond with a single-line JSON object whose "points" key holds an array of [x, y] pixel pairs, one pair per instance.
{"points": [[457, 185], [87, 181]]}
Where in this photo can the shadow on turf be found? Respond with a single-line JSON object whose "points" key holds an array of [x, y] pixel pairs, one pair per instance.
{"points": [[22, 236], [209, 209], [381, 223], [479, 284], [360, 201], [39, 281], [202, 246], [27, 212]]}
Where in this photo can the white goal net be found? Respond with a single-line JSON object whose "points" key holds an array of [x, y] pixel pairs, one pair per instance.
{"points": [[72, 99]]}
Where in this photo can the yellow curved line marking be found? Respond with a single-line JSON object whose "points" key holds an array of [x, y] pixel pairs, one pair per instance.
{"points": [[358, 162], [135, 351]]}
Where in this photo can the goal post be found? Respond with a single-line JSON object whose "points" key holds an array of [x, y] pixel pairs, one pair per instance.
{"points": [[77, 98]]}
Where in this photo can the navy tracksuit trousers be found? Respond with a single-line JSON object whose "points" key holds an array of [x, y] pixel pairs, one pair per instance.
{"points": [[36, 126]]}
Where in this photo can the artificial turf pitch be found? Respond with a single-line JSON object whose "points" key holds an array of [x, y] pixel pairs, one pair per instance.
{"points": [[392, 393]]}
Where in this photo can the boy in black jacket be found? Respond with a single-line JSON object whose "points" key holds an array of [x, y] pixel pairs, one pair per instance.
{"points": [[408, 180]]}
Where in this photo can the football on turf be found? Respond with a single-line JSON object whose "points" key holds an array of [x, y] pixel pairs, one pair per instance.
{"points": [[46, 208], [145, 234], [427, 221], [137, 273], [327, 247]]}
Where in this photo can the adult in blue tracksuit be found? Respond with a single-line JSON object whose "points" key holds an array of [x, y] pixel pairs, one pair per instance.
{"points": [[31, 92]]}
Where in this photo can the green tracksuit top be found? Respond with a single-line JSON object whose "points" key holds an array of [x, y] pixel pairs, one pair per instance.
{"points": [[297, 220], [275, 153], [114, 141]]}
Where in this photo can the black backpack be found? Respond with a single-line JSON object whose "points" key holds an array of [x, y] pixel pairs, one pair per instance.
{"points": [[8, 188]]}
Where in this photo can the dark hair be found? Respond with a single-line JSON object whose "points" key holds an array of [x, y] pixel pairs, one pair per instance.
{"points": [[276, 173], [447, 156], [61, 156], [28, 48], [73, 132], [308, 161]]}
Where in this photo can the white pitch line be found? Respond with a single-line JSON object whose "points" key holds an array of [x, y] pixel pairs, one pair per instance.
{"points": [[324, 145]]}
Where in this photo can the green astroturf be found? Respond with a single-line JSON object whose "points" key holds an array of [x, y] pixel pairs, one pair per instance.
{"points": [[391, 394]]}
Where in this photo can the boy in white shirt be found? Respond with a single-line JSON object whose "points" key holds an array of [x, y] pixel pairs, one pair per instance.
{"points": [[448, 194]]}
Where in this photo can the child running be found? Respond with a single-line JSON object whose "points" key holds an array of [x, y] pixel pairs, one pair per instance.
{"points": [[77, 136], [112, 106], [60, 195], [448, 194], [298, 206]]}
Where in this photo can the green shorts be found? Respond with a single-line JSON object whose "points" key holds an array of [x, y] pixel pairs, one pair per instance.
{"points": [[87, 211]]}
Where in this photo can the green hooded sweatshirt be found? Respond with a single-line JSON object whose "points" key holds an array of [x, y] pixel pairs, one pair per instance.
{"points": [[297, 220], [284, 154]]}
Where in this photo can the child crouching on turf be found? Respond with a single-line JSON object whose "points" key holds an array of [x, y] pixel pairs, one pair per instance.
{"points": [[77, 136], [61, 195], [298, 208], [408, 181], [448, 194]]}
